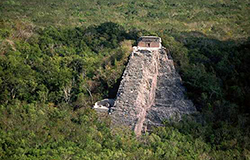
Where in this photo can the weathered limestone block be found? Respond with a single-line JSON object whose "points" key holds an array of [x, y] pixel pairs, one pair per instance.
{"points": [[104, 105]]}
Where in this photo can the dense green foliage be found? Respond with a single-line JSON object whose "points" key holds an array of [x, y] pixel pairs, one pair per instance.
{"points": [[220, 18], [57, 64], [58, 57]]}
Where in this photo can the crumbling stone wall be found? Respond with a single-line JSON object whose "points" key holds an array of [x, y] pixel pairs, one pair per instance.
{"points": [[150, 92], [170, 100]]}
